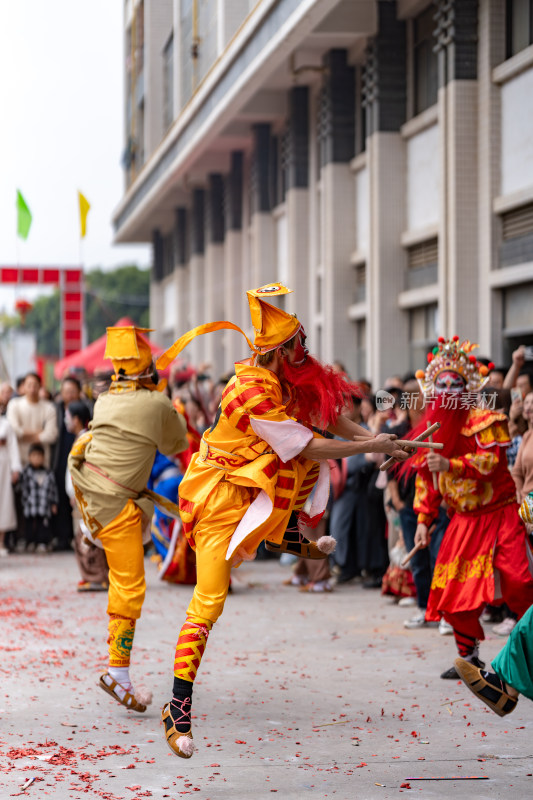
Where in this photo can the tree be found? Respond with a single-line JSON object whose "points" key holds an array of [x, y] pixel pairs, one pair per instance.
{"points": [[122, 292], [43, 320], [125, 292]]}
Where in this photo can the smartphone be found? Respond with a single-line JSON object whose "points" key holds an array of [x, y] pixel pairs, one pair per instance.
{"points": [[528, 353], [516, 394]]}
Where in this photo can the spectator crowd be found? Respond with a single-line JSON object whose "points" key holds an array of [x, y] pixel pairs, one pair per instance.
{"points": [[370, 512]]}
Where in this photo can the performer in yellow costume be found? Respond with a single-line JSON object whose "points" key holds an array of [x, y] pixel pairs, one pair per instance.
{"points": [[110, 466], [256, 465]]}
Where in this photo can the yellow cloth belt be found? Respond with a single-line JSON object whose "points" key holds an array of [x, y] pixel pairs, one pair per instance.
{"points": [[222, 459]]}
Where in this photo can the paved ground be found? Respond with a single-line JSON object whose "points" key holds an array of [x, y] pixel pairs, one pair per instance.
{"points": [[298, 695]]}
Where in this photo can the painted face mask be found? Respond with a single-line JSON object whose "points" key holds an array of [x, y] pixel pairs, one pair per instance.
{"points": [[300, 351], [449, 382]]}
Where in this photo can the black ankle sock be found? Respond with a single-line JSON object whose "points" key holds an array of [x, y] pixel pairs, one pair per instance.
{"points": [[180, 705], [182, 689]]}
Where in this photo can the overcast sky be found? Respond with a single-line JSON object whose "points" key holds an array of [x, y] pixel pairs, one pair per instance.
{"points": [[61, 129]]}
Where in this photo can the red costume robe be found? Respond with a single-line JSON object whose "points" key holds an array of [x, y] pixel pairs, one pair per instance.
{"points": [[485, 555]]}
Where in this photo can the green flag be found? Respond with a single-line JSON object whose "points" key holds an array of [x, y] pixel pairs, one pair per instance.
{"points": [[24, 217]]}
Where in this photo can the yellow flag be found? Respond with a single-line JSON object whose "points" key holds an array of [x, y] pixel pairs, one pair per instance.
{"points": [[84, 210]]}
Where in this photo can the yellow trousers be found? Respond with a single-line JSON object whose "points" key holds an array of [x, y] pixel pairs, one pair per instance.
{"points": [[123, 545], [212, 534]]}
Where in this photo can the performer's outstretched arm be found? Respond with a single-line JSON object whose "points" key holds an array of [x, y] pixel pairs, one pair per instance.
{"points": [[318, 449], [347, 429]]}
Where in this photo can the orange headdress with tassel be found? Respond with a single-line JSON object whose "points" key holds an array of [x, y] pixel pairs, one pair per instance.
{"points": [[128, 349], [273, 327]]}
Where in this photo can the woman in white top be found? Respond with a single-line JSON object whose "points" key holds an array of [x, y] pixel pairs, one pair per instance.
{"points": [[10, 468]]}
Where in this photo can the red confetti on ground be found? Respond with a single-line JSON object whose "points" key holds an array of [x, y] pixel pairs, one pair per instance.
{"points": [[405, 786]]}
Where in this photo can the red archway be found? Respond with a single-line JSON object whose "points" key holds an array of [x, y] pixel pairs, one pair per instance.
{"points": [[70, 282]]}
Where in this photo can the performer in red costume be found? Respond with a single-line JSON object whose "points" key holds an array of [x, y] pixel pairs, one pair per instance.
{"points": [[484, 557]]}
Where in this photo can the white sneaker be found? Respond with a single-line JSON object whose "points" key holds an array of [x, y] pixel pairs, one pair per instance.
{"points": [[407, 601], [505, 627], [445, 629], [418, 621]]}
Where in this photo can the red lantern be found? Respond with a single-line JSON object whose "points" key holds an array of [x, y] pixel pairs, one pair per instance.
{"points": [[23, 307]]}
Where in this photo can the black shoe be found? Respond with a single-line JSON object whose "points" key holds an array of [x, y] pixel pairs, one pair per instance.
{"points": [[488, 686], [373, 583], [344, 577], [452, 674]]}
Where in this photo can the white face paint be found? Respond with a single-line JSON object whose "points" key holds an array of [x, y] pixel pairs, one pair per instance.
{"points": [[449, 382]]}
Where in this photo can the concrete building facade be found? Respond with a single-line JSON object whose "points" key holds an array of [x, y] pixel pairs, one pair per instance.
{"points": [[375, 155]]}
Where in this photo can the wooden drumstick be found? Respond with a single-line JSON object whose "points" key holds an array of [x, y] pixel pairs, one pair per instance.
{"points": [[436, 425], [410, 554], [434, 474], [415, 445]]}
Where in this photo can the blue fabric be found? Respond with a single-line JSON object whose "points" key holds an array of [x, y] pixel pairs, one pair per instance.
{"points": [[168, 487]]}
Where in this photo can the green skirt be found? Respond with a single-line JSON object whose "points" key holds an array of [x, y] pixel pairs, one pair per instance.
{"points": [[514, 664]]}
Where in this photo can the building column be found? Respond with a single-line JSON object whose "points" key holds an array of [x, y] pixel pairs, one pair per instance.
{"points": [[214, 273], [297, 201], [180, 272], [196, 349], [156, 285], [491, 53], [457, 34], [338, 210], [263, 253], [234, 345], [385, 89]]}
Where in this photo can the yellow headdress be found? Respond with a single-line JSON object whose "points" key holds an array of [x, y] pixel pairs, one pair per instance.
{"points": [[451, 355], [273, 327], [128, 349]]}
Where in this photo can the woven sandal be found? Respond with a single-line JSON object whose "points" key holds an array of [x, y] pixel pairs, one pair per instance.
{"points": [[296, 545], [129, 700], [181, 744], [495, 697]]}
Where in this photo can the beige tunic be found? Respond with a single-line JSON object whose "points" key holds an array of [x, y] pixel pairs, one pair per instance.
{"points": [[127, 429]]}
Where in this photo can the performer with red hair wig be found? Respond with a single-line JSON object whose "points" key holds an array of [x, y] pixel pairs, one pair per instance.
{"points": [[484, 557], [255, 467]]}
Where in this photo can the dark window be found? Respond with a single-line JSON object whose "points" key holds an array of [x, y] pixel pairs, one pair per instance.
{"points": [[360, 113], [519, 32], [360, 347], [425, 72], [517, 236], [423, 326], [168, 84], [422, 264], [517, 222], [360, 283], [168, 255]]}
